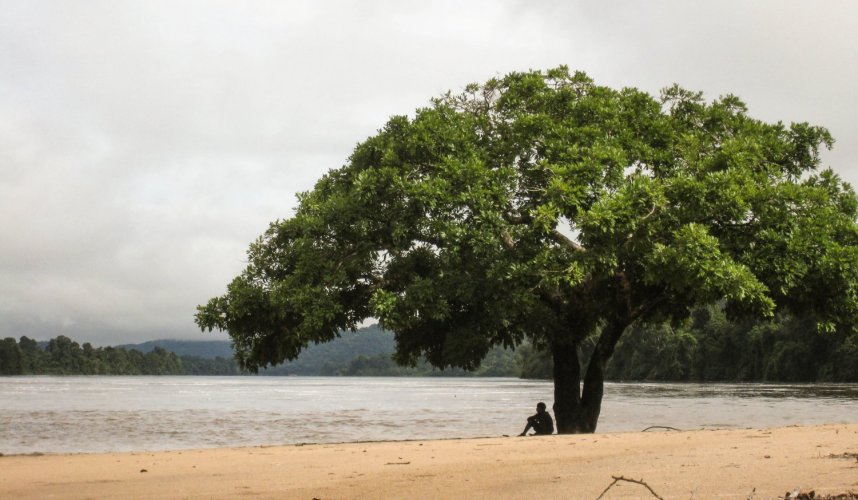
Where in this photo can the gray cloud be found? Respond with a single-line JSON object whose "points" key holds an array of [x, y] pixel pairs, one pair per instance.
{"points": [[143, 145]]}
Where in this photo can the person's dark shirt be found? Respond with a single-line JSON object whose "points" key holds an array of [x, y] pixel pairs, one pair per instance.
{"points": [[542, 423]]}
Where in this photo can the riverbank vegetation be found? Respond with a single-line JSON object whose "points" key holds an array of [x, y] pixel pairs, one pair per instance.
{"points": [[706, 348], [63, 356]]}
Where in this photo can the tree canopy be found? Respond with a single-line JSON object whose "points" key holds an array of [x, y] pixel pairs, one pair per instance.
{"points": [[541, 206]]}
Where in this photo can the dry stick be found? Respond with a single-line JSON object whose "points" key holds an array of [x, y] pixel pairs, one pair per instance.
{"points": [[660, 427], [621, 478]]}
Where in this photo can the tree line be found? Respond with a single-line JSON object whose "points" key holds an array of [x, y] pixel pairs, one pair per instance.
{"points": [[364, 354], [498, 362], [708, 347], [64, 356]]}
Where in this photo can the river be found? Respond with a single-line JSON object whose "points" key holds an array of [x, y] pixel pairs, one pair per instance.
{"points": [[94, 414]]}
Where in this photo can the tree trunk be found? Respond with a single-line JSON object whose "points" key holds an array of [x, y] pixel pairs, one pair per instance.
{"points": [[577, 411], [567, 387]]}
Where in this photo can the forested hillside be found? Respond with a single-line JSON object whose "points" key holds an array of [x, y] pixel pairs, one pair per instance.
{"points": [[366, 352], [208, 349], [363, 353], [705, 348]]}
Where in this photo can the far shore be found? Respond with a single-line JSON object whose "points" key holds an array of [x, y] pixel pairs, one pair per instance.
{"points": [[735, 463]]}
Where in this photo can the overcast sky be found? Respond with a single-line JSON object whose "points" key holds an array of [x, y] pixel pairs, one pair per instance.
{"points": [[144, 145]]}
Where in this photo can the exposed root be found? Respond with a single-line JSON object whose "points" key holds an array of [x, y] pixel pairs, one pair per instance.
{"points": [[641, 482]]}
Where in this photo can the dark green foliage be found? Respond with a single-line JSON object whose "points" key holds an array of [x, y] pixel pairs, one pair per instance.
{"points": [[498, 363], [710, 348], [786, 349], [653, 352], [535, 363], [364, 353], [11, 357], [368, 342], [845, 360], [63, 356], [369, 366], [541, 207]]}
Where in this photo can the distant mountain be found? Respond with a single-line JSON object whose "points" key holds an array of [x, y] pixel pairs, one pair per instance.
{"points": [[369, 342], [318, 358], [365, 352], [207, 349]]}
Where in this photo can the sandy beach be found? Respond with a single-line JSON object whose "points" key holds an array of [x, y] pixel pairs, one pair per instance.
{"points": [[745, 463]]}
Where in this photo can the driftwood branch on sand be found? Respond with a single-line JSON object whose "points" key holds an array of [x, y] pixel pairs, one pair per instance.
{"points": [[661, 427], [641, 482]]}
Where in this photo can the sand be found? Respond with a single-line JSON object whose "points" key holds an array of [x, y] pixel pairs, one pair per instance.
{"points": [[702, 464]]}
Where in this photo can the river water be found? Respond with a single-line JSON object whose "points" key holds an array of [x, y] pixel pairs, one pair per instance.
{"points": [[94, 414]]}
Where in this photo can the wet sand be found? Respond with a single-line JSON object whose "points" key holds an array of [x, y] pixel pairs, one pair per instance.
{"points": [[702, 464]]}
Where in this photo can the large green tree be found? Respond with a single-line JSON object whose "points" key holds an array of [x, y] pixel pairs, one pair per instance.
{"points": [[543, 207]]}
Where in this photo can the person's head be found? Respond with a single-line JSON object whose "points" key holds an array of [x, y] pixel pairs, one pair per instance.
{"points": [[540, 407]]}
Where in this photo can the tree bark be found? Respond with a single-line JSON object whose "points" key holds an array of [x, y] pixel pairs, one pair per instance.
{"points": [[594, 379], [567, 386], [576, 410]]}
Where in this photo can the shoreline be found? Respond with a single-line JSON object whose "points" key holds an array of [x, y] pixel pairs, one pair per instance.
{"points": [[726, 463]]}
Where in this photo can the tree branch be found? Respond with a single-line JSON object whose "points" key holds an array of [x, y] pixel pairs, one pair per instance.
{"points": [[507, 241], [553, 297], [555, 235], [648, 305], [563, 240]]}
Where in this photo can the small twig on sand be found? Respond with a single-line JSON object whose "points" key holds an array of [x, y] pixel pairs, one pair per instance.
{"points": [[660, 427], [621, 478]]}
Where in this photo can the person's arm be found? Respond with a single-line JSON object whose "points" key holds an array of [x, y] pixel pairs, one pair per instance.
{"points": [[531, 424]]}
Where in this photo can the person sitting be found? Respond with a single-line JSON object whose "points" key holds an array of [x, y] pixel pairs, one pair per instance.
{"points": [[541, 423]]}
